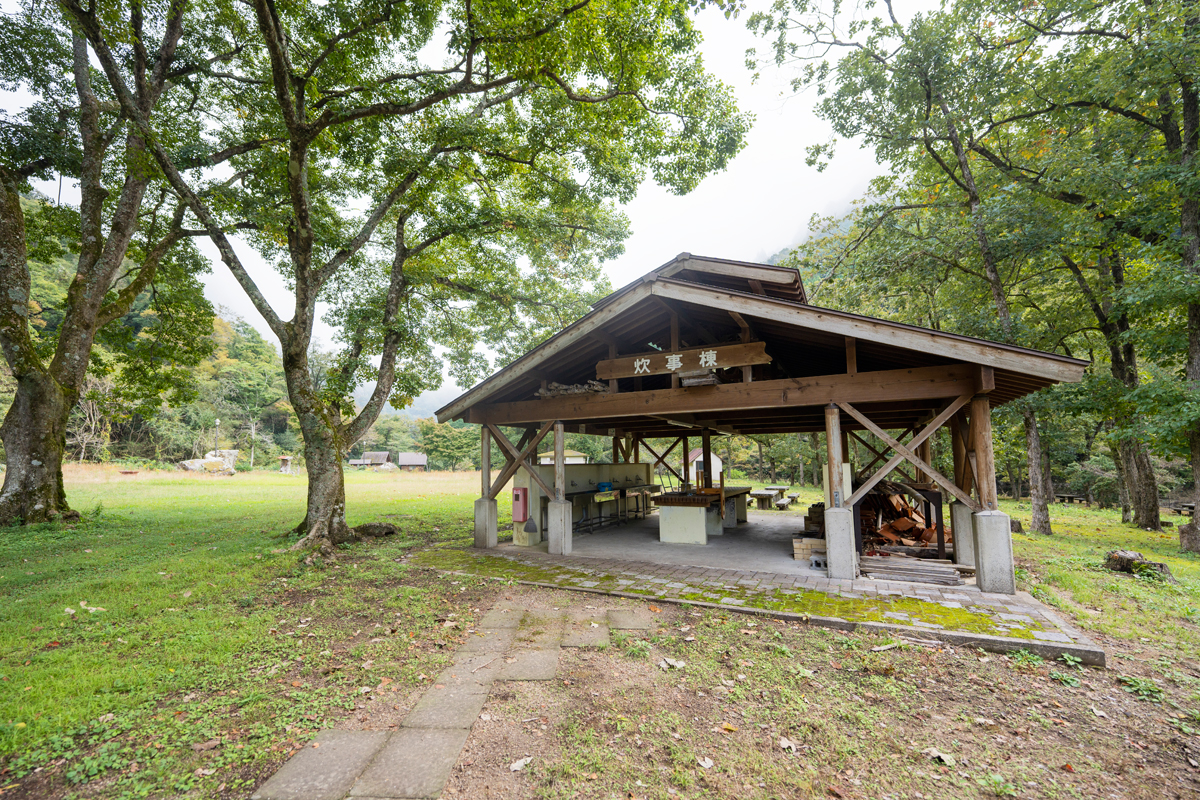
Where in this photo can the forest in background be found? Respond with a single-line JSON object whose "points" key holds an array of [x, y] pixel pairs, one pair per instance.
{"points": [[237, 378]]}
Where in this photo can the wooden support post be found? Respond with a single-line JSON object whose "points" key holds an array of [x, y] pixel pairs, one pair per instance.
{"points": [[851, 356], [686, 477], [616, 453], [560, 469], [485, 461], [674, 347], [833, 444], [706, 458], [960, 431], [985, 458], [612, 353], [925, 453], [845, 446], [637, 449]]}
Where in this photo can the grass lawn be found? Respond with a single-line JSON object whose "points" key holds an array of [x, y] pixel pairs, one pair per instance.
{"points": [[169, 645]]}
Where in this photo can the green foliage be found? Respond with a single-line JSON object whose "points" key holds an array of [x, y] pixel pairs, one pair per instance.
{"points": [[1142, 688], [448, 445]]}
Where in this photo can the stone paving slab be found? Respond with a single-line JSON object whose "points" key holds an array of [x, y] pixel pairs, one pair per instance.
{"points": [[415, 763], [541, 631], [531, 665], [495, 640], [477, 669], [819, 600], [502, 616], [586, 629], [621, 619], [326, 771], [447, 708]]}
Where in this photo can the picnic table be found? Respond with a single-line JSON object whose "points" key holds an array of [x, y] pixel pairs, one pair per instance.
{"points": [[764, 498], [1186, 508], [1070, 498]]}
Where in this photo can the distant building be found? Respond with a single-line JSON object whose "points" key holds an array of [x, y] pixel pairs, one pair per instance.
{"points": [[569, 457], [412, 461], [716, 466]]}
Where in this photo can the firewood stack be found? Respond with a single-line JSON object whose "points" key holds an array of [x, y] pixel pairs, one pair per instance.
{"points": [[898, 522]]}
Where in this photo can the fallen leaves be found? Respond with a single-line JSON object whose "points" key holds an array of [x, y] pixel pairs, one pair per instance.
{"points": [[667, 663], [706, 762], [787, 744], [520, 764]]}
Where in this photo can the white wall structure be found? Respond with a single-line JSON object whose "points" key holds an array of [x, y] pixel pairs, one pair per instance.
{"points": [[695, 467]]}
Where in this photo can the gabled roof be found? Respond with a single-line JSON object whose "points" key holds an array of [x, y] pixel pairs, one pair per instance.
{"points": [[411, 459], [376, 456], [718, 303], [697, 452]]}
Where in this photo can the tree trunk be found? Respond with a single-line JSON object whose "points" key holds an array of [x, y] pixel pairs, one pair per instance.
{"points": [[1038, 501], [761, 472], [1143, 486], [253, 431], [34, 436], [324, 522], [1123, 469], [816, 473]]}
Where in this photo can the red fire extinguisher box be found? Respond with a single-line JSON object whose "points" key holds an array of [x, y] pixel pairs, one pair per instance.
{"points": [[520, 507]]}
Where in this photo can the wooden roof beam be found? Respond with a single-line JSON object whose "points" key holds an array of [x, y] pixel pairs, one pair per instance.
{"points": [[909, 337], [865, 387]]}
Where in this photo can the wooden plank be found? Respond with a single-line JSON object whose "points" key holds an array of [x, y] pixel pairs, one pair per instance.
{"points": [[909, 454], [851, 355], [674, 346], [920, 383], [962, 348], [746, 270], [656, 362]]}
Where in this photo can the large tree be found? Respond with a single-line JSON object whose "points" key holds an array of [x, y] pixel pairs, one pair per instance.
{"points": [[440, 173], [125, 238]]}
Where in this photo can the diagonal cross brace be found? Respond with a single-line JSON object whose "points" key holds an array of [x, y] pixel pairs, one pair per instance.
{"points": [[663, 458], [518, 459], [904, 453]]}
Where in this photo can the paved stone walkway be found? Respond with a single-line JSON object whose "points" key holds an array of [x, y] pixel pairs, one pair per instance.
{"points": [[950, 612], [510, 644]]}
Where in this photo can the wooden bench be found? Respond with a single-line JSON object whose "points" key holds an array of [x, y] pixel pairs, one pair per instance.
{"points": [[782, 503]]}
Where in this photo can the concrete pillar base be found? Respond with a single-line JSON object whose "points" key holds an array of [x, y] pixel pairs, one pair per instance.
{"points": [[839, 543], [993, 553], [964, 534], [731, 519], [560, 519], [739, 504], [485, 523]]}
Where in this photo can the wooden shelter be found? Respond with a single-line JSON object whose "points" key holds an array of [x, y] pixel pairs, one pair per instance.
{"points": [[706, 346]]}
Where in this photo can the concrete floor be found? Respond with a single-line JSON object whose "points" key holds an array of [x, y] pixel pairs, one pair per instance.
{"points": [[761, 544]]}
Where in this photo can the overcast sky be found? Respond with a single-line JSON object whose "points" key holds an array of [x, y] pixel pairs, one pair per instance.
{"points": [[760, 204]]}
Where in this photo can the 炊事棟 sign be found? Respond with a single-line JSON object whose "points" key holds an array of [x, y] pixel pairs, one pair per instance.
{"points": [[679, 361]]}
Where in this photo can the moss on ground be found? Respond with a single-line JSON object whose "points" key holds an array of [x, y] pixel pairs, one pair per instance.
{"points": [[977, 620]]}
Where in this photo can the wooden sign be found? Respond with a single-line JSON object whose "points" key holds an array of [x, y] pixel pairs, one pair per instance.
{"points": [[698, 358]]}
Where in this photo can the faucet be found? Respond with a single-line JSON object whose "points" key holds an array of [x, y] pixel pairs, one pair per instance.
{"points": [[573, 483]]}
